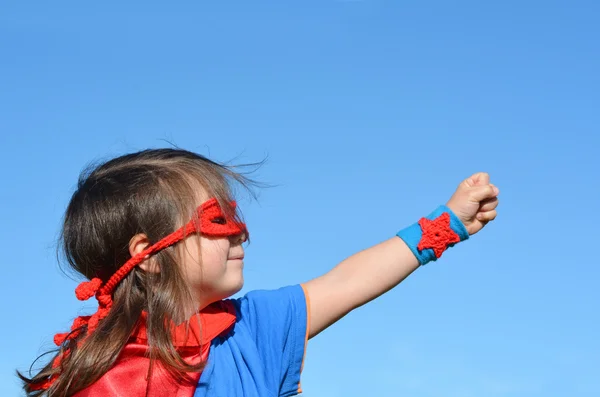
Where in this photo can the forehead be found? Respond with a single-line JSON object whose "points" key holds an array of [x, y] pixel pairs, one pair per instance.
{"points": [[208, 206], [205, 189], [201, 196]]}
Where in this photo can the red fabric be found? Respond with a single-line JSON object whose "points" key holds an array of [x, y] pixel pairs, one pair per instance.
{"points": [[209, 213], [437, 234], [129, 376], [211, 222]]}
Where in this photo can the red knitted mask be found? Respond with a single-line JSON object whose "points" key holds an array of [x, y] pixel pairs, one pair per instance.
{"points": [[211, 222]]}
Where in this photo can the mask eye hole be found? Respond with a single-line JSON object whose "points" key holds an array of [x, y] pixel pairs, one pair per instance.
{"points": [[219, 220]]}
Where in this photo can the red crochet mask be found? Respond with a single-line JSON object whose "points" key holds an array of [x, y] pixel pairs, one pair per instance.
{"points": [[211, 222]]}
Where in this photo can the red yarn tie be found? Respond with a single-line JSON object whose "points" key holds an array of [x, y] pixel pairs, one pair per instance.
{"points": [[83, 292], [87, 289]]}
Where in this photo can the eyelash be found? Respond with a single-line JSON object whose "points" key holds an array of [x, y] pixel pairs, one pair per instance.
{"points": [[220, 220]]}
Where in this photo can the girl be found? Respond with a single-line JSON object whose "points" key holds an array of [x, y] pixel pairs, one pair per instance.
{"points": [[160, 240]]}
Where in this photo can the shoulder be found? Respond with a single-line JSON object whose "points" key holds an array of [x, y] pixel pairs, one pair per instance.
{"points": [[264, 352], [261, 304]]}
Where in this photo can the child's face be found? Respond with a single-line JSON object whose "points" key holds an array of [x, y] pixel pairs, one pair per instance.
{"points": [[213, 267]]}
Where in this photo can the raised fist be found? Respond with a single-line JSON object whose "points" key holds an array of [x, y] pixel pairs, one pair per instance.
{"points": [[475, 202]]}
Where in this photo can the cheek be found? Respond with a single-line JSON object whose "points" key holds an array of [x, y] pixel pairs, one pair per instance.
{"points": [[213, 256], [205, 265], [201, 258], [201, 251], [214, 249]]}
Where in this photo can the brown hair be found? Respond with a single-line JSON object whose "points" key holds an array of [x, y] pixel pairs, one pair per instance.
{"points": [[151, 192]]}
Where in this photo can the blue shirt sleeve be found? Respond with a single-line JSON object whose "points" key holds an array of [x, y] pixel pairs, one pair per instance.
{"points": [[278, 323]]}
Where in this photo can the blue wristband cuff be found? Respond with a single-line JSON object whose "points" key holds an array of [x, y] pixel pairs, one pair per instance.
{"points": [[412, 234]]}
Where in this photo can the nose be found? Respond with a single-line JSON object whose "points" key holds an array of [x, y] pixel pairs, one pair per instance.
{"points": [[239, 238]]}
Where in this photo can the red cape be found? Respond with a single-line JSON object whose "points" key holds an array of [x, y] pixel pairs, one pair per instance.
{"points": [[129, 376]]}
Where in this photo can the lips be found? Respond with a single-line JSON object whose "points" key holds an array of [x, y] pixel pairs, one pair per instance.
{"points": [[236, 258]]}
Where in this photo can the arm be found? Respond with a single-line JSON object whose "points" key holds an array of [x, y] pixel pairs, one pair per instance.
{"points": [[357, 280], [370, 273]]}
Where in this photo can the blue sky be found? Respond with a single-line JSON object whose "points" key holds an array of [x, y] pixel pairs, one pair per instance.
{"points": [[370, 112]]}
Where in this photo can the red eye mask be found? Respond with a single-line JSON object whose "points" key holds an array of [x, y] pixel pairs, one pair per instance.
{"points": [[211, 222]]}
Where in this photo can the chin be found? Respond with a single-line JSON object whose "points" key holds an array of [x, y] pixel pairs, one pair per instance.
{"points": [[239, 286], [234, 288]]}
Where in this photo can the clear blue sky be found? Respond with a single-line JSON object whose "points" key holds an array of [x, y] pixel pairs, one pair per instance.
{"points": [[371, 112]]}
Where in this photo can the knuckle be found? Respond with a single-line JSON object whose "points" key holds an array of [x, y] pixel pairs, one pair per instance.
{"points": [[487, 192]]}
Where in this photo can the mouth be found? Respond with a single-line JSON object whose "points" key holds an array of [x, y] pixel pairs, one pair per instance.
{"points": [[237, 258]]}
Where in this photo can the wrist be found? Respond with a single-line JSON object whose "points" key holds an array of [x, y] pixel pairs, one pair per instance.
{"points": [[432, 235]]}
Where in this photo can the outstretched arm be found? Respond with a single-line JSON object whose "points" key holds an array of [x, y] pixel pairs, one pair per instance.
{"points": [[370, 273]]}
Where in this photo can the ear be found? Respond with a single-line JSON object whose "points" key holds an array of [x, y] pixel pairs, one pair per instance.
{"points": [[139, 243]]}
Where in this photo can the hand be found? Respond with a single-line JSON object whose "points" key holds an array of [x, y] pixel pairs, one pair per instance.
{"points": [[475, 202]]}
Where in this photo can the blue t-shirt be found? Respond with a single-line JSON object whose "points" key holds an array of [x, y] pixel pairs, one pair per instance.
{"points": [[262, 355]]}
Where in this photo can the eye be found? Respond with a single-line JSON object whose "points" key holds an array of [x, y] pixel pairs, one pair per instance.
{"points": [[220, 220]]}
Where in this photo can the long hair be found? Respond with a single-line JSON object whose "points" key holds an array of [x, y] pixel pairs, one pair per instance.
{"points": [[151, 192]]}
